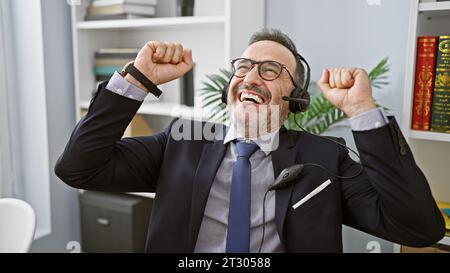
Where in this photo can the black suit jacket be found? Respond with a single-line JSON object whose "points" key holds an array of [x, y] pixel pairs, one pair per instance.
{"points": [[390, 199]]}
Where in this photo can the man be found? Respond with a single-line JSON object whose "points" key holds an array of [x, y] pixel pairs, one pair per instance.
{"points": [[209, 192]]}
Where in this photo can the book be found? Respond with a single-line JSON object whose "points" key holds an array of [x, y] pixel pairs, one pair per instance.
{"points": [[118, 50], [112, 61], [107, 70], [101, 56], [123, 16], [121, 9], [445, 207], [100, 3], [424, 82], [116, 53], [440, 114]]}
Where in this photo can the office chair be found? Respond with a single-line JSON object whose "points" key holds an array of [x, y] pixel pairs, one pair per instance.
{"points": [[17, 225]]}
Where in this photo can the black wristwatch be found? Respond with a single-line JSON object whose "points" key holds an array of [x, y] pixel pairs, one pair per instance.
{"points": [[148, 84]]}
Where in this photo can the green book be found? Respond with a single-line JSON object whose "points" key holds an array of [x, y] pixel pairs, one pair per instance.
{"points": [[107, 70], [440, 113]]}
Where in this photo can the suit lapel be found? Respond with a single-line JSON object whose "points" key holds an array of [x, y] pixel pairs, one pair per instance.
{"points": [[282, 158], [210, 159]]}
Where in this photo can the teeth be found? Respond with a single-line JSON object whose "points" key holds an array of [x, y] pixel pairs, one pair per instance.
{"points": [[245, 95]]}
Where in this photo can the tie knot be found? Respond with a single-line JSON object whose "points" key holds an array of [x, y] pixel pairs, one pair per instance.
{"points": [[245, 149]]}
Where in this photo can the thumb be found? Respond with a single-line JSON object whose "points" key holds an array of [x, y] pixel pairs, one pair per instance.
{"points": [[324, 81], [149, 50], [187, 63]]}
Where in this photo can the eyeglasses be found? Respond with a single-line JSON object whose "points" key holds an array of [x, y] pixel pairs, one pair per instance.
{"points": [[267, 70]]}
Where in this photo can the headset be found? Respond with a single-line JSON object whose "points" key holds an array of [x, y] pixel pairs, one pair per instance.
{"points": [[299, 98]]}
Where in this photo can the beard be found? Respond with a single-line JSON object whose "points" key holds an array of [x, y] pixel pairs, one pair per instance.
{"points": [[257, 120]]}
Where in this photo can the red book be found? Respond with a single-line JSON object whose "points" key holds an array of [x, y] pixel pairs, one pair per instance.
{"points": [[424, 81]]}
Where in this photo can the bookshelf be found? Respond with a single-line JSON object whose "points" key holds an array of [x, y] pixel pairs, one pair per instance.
{"points": [[218, 31], [431, 150]]}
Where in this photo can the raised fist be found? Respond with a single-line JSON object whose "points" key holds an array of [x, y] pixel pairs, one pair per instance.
{"points": [[348, 89], [162, 62]]}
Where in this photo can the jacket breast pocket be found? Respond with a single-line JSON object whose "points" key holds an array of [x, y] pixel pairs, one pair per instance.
{"points": [[306, 199]]}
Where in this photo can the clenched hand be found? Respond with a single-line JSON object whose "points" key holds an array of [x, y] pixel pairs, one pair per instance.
{"points": [[348, 89], [162, 62]]}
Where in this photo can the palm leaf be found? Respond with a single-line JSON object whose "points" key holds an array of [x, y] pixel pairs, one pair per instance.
{"points": [[211, 94], [377, 75], [208, 88]]}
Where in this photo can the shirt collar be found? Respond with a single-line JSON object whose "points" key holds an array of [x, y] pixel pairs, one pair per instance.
{"points": [[267, 142]]}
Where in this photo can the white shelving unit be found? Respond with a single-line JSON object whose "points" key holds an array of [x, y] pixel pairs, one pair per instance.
{"points": [[435, 9], [167, 109], [218, 32], [431, 150], [178, 22], [416, 134]]}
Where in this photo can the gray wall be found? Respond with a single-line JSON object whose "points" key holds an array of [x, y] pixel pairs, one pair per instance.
{"points": [[348, 33], [331, 33], [60, 119]]}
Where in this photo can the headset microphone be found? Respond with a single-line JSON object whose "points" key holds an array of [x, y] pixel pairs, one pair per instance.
{"points": [[295, 99]]}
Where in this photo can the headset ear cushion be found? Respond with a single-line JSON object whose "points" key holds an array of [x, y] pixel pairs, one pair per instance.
{"points": [[294, 107], [225, 94], [304, 105]]}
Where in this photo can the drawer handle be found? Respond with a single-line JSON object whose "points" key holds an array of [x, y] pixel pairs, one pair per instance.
{"points": [[103, 221]]}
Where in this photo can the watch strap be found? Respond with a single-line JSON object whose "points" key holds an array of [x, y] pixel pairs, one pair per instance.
{"points": [[148, 84]]}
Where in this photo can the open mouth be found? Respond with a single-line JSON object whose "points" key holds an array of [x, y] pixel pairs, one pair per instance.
{"points": [[252, 97]]}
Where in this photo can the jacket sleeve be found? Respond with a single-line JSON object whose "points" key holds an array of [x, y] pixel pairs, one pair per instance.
{"points": [[391, 198], [96, 158]]}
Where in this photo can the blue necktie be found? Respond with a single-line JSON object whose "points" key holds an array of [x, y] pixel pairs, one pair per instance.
{"points": [[238, 235]]}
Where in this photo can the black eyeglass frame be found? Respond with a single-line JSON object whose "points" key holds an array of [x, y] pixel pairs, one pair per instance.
{"points": [[259, 69]]}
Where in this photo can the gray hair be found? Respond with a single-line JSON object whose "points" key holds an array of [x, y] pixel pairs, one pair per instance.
{"points": [[275, 35]]}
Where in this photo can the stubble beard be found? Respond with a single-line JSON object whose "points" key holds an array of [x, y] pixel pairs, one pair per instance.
{"points": [[252, 122]]}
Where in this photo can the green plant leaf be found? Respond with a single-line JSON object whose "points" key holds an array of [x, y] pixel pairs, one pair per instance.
{"points": [[218, 80], [209, 88]]}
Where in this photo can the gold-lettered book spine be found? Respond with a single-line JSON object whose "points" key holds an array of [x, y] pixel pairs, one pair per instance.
{"points": [[440, 117]]}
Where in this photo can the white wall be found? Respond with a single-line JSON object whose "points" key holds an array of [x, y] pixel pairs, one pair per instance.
{"points": [[45, 109], [331, 33], [30, 109], [6, 166], [60, 101]]}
